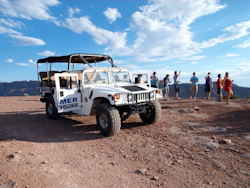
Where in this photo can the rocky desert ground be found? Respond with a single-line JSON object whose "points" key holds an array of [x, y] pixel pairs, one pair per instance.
{"points": [[197, 143]]}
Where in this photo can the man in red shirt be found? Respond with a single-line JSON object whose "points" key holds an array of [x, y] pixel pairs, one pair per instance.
{"points": [[219, 84], [228, 87]]}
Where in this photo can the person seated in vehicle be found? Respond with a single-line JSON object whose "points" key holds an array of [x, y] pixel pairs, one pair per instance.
{"points": [[125, 78], [140, 80], [117, 78]]}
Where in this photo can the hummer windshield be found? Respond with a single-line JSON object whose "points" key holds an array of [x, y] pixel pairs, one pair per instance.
{"points": [[96, 77], [119, 76]]}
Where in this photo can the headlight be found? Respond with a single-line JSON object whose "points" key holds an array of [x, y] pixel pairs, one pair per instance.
{"points": [[130, 97], [117, 96], [151, 95]]}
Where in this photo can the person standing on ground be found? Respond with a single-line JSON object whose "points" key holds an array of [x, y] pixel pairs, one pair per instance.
{"points": [[176, 85], [166, 87], [219, 84], [208, 85], [194, 86], [154, 80], [228, 87]]}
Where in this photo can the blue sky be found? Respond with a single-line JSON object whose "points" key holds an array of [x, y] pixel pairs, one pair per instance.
{"points": [[143, 36]]}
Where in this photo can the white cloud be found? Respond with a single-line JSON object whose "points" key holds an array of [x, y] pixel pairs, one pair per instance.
{"points": [[26, 41], [112, 14], [27, 9], [11, 23], [5, 30], [194, 58], [73, 11], [24, 64], [245, 44], [114, 40], [30, 63], [46, 53], [9, 60], [232, 32], [119, 61], [162, 31], [194, 62], [232, 55]]}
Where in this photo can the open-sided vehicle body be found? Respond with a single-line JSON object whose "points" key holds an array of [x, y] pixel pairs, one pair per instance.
{"points": [[108, 93]]}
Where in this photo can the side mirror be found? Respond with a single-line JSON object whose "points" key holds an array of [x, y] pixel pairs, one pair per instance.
{"points": [[136, 80]]}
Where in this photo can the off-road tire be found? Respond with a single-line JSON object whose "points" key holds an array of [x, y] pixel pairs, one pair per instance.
{"points": [[51, 109], [108, 119], [153, 115]]}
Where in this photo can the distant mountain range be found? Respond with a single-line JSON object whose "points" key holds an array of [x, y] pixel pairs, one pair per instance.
{"points": [[20, 88]]}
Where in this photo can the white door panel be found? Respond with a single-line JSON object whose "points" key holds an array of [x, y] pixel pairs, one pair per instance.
{"points": [[67, 91]]}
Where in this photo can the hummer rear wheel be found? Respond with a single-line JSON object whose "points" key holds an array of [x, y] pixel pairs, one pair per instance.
{"points": [[51, 109]]}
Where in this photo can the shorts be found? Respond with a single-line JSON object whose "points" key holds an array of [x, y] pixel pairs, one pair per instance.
{"points": [[194, 88], [207, 88], [219, 91], [166, 88], [176, 88], [155, 86]]}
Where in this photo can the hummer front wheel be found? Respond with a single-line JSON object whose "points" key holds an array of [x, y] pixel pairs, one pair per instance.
{"points": [[153, 114], [108, 119]]}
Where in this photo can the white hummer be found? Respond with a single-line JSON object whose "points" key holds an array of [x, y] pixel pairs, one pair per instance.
{"points": [[108, 93]]}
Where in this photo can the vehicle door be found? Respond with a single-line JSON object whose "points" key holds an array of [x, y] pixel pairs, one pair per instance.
{"points": [[67, 92], [141, 79]]}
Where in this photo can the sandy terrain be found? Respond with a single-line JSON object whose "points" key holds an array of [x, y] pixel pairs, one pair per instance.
{"points": [[197, 143]]}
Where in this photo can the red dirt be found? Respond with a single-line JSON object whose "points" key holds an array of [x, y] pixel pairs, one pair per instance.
{"points": [[184, 149]]}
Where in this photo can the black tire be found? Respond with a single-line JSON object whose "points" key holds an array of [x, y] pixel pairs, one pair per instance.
{"points": [[108, 119], [153, 115], [51, 109]]}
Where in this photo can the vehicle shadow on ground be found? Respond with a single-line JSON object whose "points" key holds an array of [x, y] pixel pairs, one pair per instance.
{"points": [[36, 127]]}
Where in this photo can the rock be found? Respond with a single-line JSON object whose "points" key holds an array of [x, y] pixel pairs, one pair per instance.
{"points": [[247, 137], [44, 162], [225, 141], [160, 170], [182, 111], [218, 165], [246, 156], [95, 156], [155, 178], [205, 155], [113, 163], [142, 171], [11, 156], [196, 108], [177, 162], [208, 143]]}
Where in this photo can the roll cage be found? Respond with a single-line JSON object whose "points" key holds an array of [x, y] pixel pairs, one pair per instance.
{"points": [[85, 59]]}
